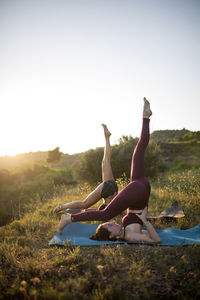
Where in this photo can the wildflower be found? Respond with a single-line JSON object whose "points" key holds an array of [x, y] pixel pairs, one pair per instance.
{"points": [[99, 267], [23, 283], [35, 280], [172, 269]]}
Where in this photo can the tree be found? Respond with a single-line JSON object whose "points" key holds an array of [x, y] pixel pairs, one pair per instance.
{"points": [[54, 155], [89, 166]]}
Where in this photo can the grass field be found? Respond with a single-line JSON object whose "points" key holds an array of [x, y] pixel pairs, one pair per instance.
{"points": [[30, 269]]}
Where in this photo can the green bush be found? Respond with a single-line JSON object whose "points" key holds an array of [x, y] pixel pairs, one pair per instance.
{"points": [[25, 187], [89, 167]]}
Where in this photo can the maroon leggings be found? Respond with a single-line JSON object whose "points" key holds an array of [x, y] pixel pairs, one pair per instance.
{"points": [[134, 196]]}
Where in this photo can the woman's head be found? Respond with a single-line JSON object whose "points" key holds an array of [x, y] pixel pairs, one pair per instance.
{"points": [[107, 232]]}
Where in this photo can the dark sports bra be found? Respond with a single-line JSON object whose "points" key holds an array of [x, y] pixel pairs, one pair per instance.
{"points": [[131, 218], [109, 188]]}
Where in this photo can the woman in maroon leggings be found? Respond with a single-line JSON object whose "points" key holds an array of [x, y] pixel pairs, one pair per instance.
{"points": [[134, 197]]}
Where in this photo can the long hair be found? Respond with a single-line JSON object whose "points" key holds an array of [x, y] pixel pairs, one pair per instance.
{"points": [[102, 234]]}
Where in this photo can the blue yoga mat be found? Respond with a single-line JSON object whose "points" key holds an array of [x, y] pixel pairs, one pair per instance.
{"points": [[78, 234]]}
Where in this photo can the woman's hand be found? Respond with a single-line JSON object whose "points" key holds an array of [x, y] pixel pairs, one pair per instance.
{"points": [[143, 215]]}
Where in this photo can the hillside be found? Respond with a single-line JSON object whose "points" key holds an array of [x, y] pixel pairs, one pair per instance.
{"points": [[28, 159], [11, 162], [167, 135], [180, 154], [173, 143]]}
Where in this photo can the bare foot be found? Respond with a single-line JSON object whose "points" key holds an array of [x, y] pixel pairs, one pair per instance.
{"points": [[65, 220], [106, 131], [146, 109], [58, 208]]}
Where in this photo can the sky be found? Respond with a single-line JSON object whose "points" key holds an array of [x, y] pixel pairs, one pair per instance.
{"points": [[67, 66]]}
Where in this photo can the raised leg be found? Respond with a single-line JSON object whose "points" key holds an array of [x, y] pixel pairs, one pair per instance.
{"points": [[137, 166], [107, 173]]}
